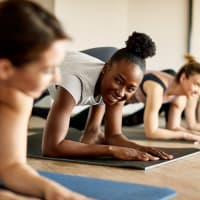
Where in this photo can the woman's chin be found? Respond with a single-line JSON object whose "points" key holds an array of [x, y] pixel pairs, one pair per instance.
{"points": [[109, 102]]}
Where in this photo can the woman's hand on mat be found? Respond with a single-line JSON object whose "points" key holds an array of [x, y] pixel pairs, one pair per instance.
{"points": [[54, 191], [156, 152], [124, 153]]}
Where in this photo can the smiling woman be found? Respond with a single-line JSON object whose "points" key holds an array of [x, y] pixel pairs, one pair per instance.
{"points": [[160, 90], [106, 87]]}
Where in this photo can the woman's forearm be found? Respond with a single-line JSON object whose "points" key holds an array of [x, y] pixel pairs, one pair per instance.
{"points": [[9, 195], [162, 133], [68, 148], [194, 127], [167, 134], [188, 130], [21, 178]]}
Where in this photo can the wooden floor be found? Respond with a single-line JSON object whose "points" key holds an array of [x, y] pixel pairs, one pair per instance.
{"points": [[182, 175]]}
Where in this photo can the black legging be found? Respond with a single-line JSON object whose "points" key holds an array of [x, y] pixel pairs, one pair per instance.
{"points": [[138, 117], [78, 121]]}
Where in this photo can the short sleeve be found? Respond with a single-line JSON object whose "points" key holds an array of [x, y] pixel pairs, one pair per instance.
{"points": [[72, 84]]}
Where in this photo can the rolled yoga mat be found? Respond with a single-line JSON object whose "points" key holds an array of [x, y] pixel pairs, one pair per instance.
{"points": [[34, 151], [106, 190]]}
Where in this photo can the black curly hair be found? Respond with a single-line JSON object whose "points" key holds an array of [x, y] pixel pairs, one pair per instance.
{"points": [[139, 46]]}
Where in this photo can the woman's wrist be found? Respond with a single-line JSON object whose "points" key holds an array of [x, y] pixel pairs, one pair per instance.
{"points": [[110, 150]]}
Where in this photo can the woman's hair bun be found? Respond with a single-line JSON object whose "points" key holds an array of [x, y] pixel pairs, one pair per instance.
{"points": [[189, 58], [141, 45]]}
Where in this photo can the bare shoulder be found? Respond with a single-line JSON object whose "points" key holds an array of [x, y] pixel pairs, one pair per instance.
{"points": [[153, 88]]}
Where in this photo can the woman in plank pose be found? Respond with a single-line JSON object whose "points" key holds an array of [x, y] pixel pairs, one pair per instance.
{"points": [[171, 92], [87, 80]]}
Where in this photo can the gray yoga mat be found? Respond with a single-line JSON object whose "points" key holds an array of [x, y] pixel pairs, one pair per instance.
{"points": [[34, 151], [135, 133]]}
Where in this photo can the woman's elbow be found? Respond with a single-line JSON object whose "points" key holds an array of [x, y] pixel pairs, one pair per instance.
{"points": [[49, 149], [7, 169], [151, 134]]}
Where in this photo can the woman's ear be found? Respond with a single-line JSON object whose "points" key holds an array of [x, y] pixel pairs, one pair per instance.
{"points": [[105, 68], [182, 77], [6, 69]]}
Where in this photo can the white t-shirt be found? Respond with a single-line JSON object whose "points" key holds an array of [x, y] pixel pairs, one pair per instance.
{"points": [[79, 73]]}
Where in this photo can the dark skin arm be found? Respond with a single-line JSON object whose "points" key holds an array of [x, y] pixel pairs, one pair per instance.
{"points": [[114, 135], [55, 144], [93, 133]]}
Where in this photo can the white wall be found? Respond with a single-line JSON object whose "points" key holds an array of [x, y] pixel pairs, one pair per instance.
{"points": [[166, 22], [93, 23], [108, 23], [195, 42]]}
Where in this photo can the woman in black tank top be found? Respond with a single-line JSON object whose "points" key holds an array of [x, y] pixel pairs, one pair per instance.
{"points": [[184, 87], [137, 117]]}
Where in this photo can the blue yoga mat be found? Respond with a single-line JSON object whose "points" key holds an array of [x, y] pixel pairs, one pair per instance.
{"points": [[107, 190], [110, 190]]}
